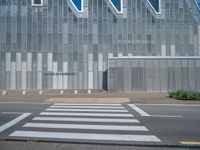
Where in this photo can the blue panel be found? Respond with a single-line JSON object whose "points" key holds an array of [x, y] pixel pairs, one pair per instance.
{"points": [[198, 3], [155, 4], [117, 4], [78, 4]]}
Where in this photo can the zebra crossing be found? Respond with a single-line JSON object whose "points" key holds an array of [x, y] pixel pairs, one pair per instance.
{"points": [[86, 122]]}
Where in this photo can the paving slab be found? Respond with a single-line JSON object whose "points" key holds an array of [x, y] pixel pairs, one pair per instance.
{"points": [[99, 97], [88, 100]]}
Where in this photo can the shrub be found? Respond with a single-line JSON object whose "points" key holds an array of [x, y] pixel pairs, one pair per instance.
{"points": [[184, 95]]}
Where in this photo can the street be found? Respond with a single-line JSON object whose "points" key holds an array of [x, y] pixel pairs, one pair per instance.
{"points": [[99, 126]]}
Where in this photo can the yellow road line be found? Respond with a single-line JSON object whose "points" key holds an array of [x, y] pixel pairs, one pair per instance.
{"points": [[190, 143]]}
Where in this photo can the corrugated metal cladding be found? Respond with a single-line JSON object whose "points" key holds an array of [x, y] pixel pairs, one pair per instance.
{"points": [[153, 74], [54, 47]]}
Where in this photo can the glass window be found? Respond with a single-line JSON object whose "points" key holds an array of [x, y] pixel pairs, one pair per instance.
{"points": [[155, 4], [78, 4], [37, 2], [117, 4], [198, 4]]}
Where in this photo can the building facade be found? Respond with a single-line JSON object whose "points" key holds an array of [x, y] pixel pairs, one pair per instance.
{"points": [[65, 44]]}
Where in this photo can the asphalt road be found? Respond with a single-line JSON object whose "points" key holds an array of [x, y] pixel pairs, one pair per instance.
{"points": [[127, 126]]}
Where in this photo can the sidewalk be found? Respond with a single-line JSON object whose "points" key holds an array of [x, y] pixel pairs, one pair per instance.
{"points": [[102, 97]]}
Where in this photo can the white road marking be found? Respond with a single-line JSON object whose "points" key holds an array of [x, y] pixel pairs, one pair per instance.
{"points": [[12, 113], [87, 119], [34, 103], [13, 122], [86, 127], [140, 111], [86, 110], [86, 107], [166, 116], [86, 136], [182, 105], [63, 104], [87, 114]]}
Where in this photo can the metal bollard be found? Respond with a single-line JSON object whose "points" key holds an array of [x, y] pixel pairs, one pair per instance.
{"points": [[40, 92], [75, 91], [4, 92], [89, 91], [24, 92], [61, 92]]}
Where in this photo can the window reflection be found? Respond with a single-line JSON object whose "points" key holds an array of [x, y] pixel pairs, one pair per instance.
{"points": [[198, 3], [155, 4]]}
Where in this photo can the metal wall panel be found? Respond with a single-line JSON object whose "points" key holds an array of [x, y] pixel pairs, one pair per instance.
{"points": [[18, 62], [95, 76], [141, 78], [18, 80], [8, 61], [49, 62], [55, 77], [75, 76], [65, 78], [163, 50], [13, 75], [163, 76], [90, 72], [39, 62], [39, 80], [185, 74], [24, 76], [149, 75], [171, 75], [1, 72], [100, 62], [173, 50], [29, 80], [29, 62], [156, 74], [127, 76], [52, 33], [80, 80], [192, 75], [178, 74], [130, 54], [198, 74], [34, 73], [8, 81], [60, 82], [90, 80]]}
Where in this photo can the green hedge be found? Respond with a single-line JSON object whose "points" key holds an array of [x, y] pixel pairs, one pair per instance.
{"points": [[185, 95]]}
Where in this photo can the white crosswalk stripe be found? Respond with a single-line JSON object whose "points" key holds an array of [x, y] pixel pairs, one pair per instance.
{"points": [[88, 104], [86, 126], [86, 114], [87, 136], [111, 120], [86, 110], [85, 122], [87, 107]]}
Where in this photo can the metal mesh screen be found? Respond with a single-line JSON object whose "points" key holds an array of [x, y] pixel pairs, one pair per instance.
{"points": [[158, 74]]}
